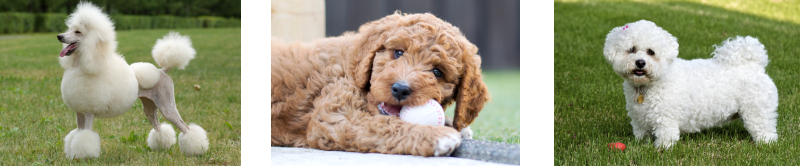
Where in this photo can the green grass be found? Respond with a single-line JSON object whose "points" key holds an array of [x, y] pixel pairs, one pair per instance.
{"points": [[499, 119], [34, 119], [589, 106]]}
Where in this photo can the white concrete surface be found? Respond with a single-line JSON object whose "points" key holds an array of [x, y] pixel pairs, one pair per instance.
{"points": [[303, 156]]}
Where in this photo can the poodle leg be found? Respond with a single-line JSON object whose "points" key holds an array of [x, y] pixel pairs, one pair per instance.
{"points": [[83, 142], [88, 120], [340, 121], [192, 139], [150, 111], [81, 120], [161, 97], [162, 136], [68, 139]]}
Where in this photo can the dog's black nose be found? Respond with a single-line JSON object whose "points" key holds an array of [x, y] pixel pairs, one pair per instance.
{"points": [[400, 91], [640, 63], [60, 37]]}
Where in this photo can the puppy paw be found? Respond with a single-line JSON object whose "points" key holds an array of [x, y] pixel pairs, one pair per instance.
{"points": [[466, 133], [447, 144]]}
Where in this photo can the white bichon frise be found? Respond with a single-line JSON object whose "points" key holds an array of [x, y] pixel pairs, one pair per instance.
{"points": [[98, 83], [666, 95]]}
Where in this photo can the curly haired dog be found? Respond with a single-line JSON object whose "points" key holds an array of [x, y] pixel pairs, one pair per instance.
{"points": [[325, 94], [98, 83], [667, 95]]}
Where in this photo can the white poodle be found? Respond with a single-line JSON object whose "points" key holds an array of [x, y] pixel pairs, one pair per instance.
{"points": [[666, 95], [98, 83]]}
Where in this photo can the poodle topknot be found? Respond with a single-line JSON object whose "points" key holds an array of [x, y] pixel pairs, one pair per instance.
{"points": [[666, 95]]}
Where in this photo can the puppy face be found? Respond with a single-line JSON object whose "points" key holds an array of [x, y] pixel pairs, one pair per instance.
{"points": [[416, 58], [409, 72], [640, 52]]}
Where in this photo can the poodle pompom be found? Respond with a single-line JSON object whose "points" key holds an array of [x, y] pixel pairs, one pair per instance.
{"points": [[194, 142], [147, 74], [68, 141], [84, 144], [162, 139], [173, 50]]}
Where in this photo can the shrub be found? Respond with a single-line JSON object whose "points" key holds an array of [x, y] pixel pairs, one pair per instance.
{"points": [[13, 22], [51, 22]]}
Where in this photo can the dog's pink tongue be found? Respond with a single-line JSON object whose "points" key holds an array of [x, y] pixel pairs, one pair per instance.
{"points": [[66, 49]]}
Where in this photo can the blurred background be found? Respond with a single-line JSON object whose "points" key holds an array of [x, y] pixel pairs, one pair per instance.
{"points": [[26, 16], [491, 25]]}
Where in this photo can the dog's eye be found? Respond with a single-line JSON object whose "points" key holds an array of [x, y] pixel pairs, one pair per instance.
{"points": [[632, 50], [77, 31], [398, 54], [437, 73], [650, 52]]}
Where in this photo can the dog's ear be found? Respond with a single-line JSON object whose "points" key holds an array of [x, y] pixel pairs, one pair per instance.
{"points": [[471, 93], [369, 40]]}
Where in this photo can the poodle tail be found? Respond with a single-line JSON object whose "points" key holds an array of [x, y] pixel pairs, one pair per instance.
{"points": [[173, 50], [741, 50]]}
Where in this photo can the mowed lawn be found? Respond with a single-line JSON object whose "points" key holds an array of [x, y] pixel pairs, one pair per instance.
{"points": [[34, 119], [589, 106]]}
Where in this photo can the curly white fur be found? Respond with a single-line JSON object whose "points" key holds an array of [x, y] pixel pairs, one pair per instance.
{"points": [[147, 74], [162, 139], [686, 96], [173, 50], [194, 142]]}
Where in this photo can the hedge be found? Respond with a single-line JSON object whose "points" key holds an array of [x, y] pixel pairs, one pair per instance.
{"points": [[12, 22]]}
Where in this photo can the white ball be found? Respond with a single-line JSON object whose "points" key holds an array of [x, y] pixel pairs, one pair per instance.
{"points": [[430, 113]]}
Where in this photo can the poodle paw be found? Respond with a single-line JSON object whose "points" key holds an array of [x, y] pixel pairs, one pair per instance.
{"points": [[83, 144], [162, 139], [68, 142], [194, 142], [447, 144], [466, 133]]}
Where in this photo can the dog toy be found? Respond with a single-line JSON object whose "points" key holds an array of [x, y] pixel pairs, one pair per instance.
{"points": [[430, 113], [616, 146]]}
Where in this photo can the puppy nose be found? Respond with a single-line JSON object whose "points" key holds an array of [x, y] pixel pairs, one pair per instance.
{"points": [[640, 63], [400, 91], [60, 37]]}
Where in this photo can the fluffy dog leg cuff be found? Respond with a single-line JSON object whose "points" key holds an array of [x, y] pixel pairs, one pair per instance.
{"points": [[193, 142], [162, 139], [83, 144], [68, 142]]}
